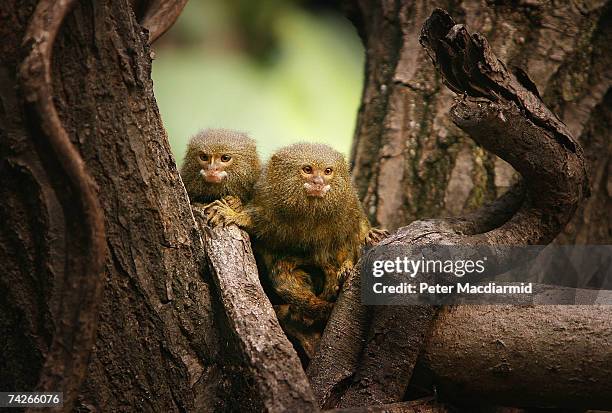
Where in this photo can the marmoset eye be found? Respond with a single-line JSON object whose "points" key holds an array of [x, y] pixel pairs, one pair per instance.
{"points": [[225, 158]]}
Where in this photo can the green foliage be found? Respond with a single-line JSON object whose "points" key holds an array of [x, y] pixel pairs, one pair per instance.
{"points": [[309, 91]]}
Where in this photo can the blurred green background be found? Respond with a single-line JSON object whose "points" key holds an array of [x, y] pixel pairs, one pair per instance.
{"points": [[283, 71]]}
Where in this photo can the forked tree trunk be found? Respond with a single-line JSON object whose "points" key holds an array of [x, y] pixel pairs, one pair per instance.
{"points": [[88, 183]]}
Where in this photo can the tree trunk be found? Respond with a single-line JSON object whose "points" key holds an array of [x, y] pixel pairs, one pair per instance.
{"points": [[402, 135], [163, 341], [115, 295], [156, 318], [411, 162]]}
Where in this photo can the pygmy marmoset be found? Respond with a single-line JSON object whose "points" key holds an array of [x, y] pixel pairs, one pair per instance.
{"points": [[220, 164], [308, 228]]}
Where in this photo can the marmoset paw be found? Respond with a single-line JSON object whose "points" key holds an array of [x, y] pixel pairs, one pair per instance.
{"points": [[344, 275], [219, 213], [375, 235], [232, 202], [199, 211]]}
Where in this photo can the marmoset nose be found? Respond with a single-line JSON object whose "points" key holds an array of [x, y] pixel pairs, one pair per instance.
{"points": [[318, 180]]}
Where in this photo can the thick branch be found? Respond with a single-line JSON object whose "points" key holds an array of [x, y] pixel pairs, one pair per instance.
{"points": [[270, 358], [513, 123], [331, 370], [501, 345], [80, 283]]}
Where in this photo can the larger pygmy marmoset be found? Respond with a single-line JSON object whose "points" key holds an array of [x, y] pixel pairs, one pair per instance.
{"points": [[220, 164], [308, 227]]}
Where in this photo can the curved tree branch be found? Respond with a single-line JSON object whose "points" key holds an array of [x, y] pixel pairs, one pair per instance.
{"points": [[79, 286], [503, 113], [157, 16]]}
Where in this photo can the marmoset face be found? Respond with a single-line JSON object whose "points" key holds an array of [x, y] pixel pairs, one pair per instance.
{"points": [[317, 178], [215, 164], [307, 177], [220, 162]]}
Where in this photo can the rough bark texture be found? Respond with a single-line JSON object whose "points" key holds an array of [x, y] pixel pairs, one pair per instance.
{"points": [[163, 342], [76, 314], [411, 162], [155, 310], [272, 364], [502, 343], [416, 406], [505, 115]]}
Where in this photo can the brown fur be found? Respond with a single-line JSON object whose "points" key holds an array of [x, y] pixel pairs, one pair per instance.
{"points": [[290, 222], [305, 245]]}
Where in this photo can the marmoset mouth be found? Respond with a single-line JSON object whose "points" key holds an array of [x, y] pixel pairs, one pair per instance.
{"points": [[316, 190], [213, 177]]}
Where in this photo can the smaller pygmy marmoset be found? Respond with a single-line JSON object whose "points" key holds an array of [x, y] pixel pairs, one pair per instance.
{"points": [[220, 164]]}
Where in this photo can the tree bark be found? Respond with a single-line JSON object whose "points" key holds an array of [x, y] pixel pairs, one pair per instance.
{"points": [[530, 356], [271, 363], [417, 406], [163, 340], [504, 114], [411, 162]]}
